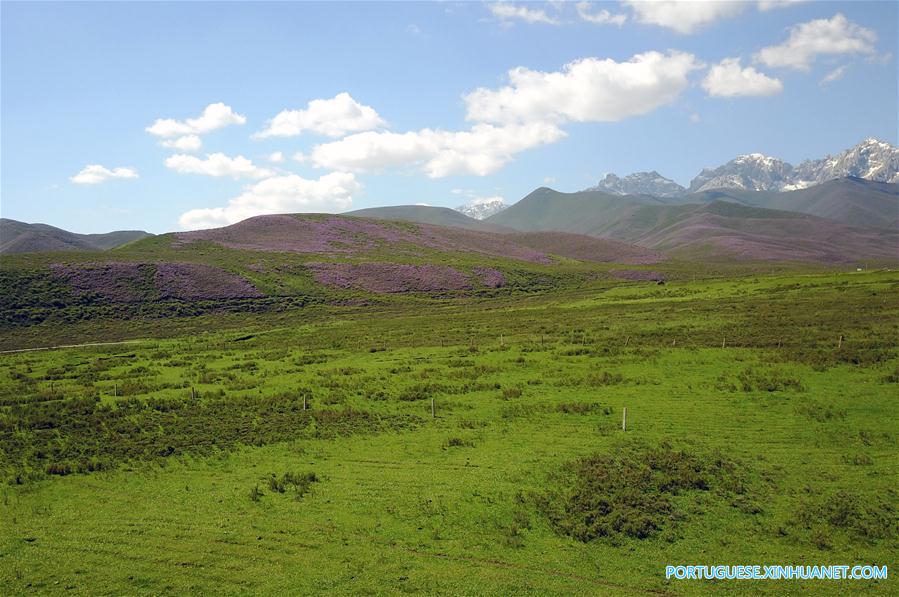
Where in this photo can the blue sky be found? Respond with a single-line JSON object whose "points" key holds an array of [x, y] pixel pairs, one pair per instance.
{"points": [[418, 102]]}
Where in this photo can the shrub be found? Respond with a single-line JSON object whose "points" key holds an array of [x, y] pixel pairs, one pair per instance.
{"points": [[858, 517], [629, 493], [773, 380]]}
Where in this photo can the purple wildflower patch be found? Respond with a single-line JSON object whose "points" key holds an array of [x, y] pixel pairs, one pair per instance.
{"points": [[192, 281], [489, 277], [351, 236], [117, 282], [134, 282], [390, 277]]}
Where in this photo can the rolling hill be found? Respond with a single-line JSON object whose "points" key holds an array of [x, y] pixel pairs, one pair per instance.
{"points": [[425, 214], [721, 223], [852, 201], [587, 248], [19, 237]]}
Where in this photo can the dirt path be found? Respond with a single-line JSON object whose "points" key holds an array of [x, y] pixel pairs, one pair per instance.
{"points": [[71, 346]]}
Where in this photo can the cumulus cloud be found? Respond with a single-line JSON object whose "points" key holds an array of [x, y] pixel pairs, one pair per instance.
{"points": [[185, 143], [333, 117], [216, 164], [729, 79], [95, 174], [276, 157], [279, 194], [834, 75], [837, 35], [482, 150], [215, 116], [683, 16], [586, 90], [600, 17], [510, 12]]}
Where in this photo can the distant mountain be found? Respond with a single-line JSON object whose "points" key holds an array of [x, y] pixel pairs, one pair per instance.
{"points": [[424, 214], [19, 237], [480, 209], [582, 212], [721, 228], [871, 159], [640, 183], [587, 248], [705, 226], [851, 201], [753, 172]]}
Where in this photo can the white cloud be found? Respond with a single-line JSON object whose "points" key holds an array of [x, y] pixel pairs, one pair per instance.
{"points": [[766, 5], [276, 157], [837, 35], [482, 150], [729, 79], [95, 174], [601, 17], [834, 75], [695, 118], [279, 194], [330, 117], [216, 164], [683, 16], [185, 143], [510, 12], [215, 116], [586, 90]]}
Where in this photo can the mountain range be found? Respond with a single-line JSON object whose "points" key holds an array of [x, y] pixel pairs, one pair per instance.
{"points": [[871, 159], [753, 208], [19, 237], [709, 224]]}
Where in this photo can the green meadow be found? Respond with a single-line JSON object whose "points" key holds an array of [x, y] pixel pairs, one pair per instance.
{"points": [[466, 445]]}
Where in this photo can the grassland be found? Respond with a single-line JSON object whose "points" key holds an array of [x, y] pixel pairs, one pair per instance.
{"points": [[294, 450]]}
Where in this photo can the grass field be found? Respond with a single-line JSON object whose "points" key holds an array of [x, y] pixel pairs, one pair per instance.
{"points": [[296, 451]]}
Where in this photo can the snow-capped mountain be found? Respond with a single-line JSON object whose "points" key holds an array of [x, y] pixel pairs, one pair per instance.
{"points": [[753, 172], [483, 207], [871, 159], [640, 183]]}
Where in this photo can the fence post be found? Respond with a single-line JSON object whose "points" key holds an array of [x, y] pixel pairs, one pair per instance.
{"points": [[624, 418]]}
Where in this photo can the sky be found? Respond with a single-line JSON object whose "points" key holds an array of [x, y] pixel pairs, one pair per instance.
{"points": [[171, 116]]}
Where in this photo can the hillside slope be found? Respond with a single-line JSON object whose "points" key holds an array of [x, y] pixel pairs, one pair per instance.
{"points": [[425, 214], [710, 227], [851, 201], [19, 237]]}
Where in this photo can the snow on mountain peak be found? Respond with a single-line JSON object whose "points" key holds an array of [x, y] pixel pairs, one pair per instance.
{"points": [[483, 207], [640, 183]]}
